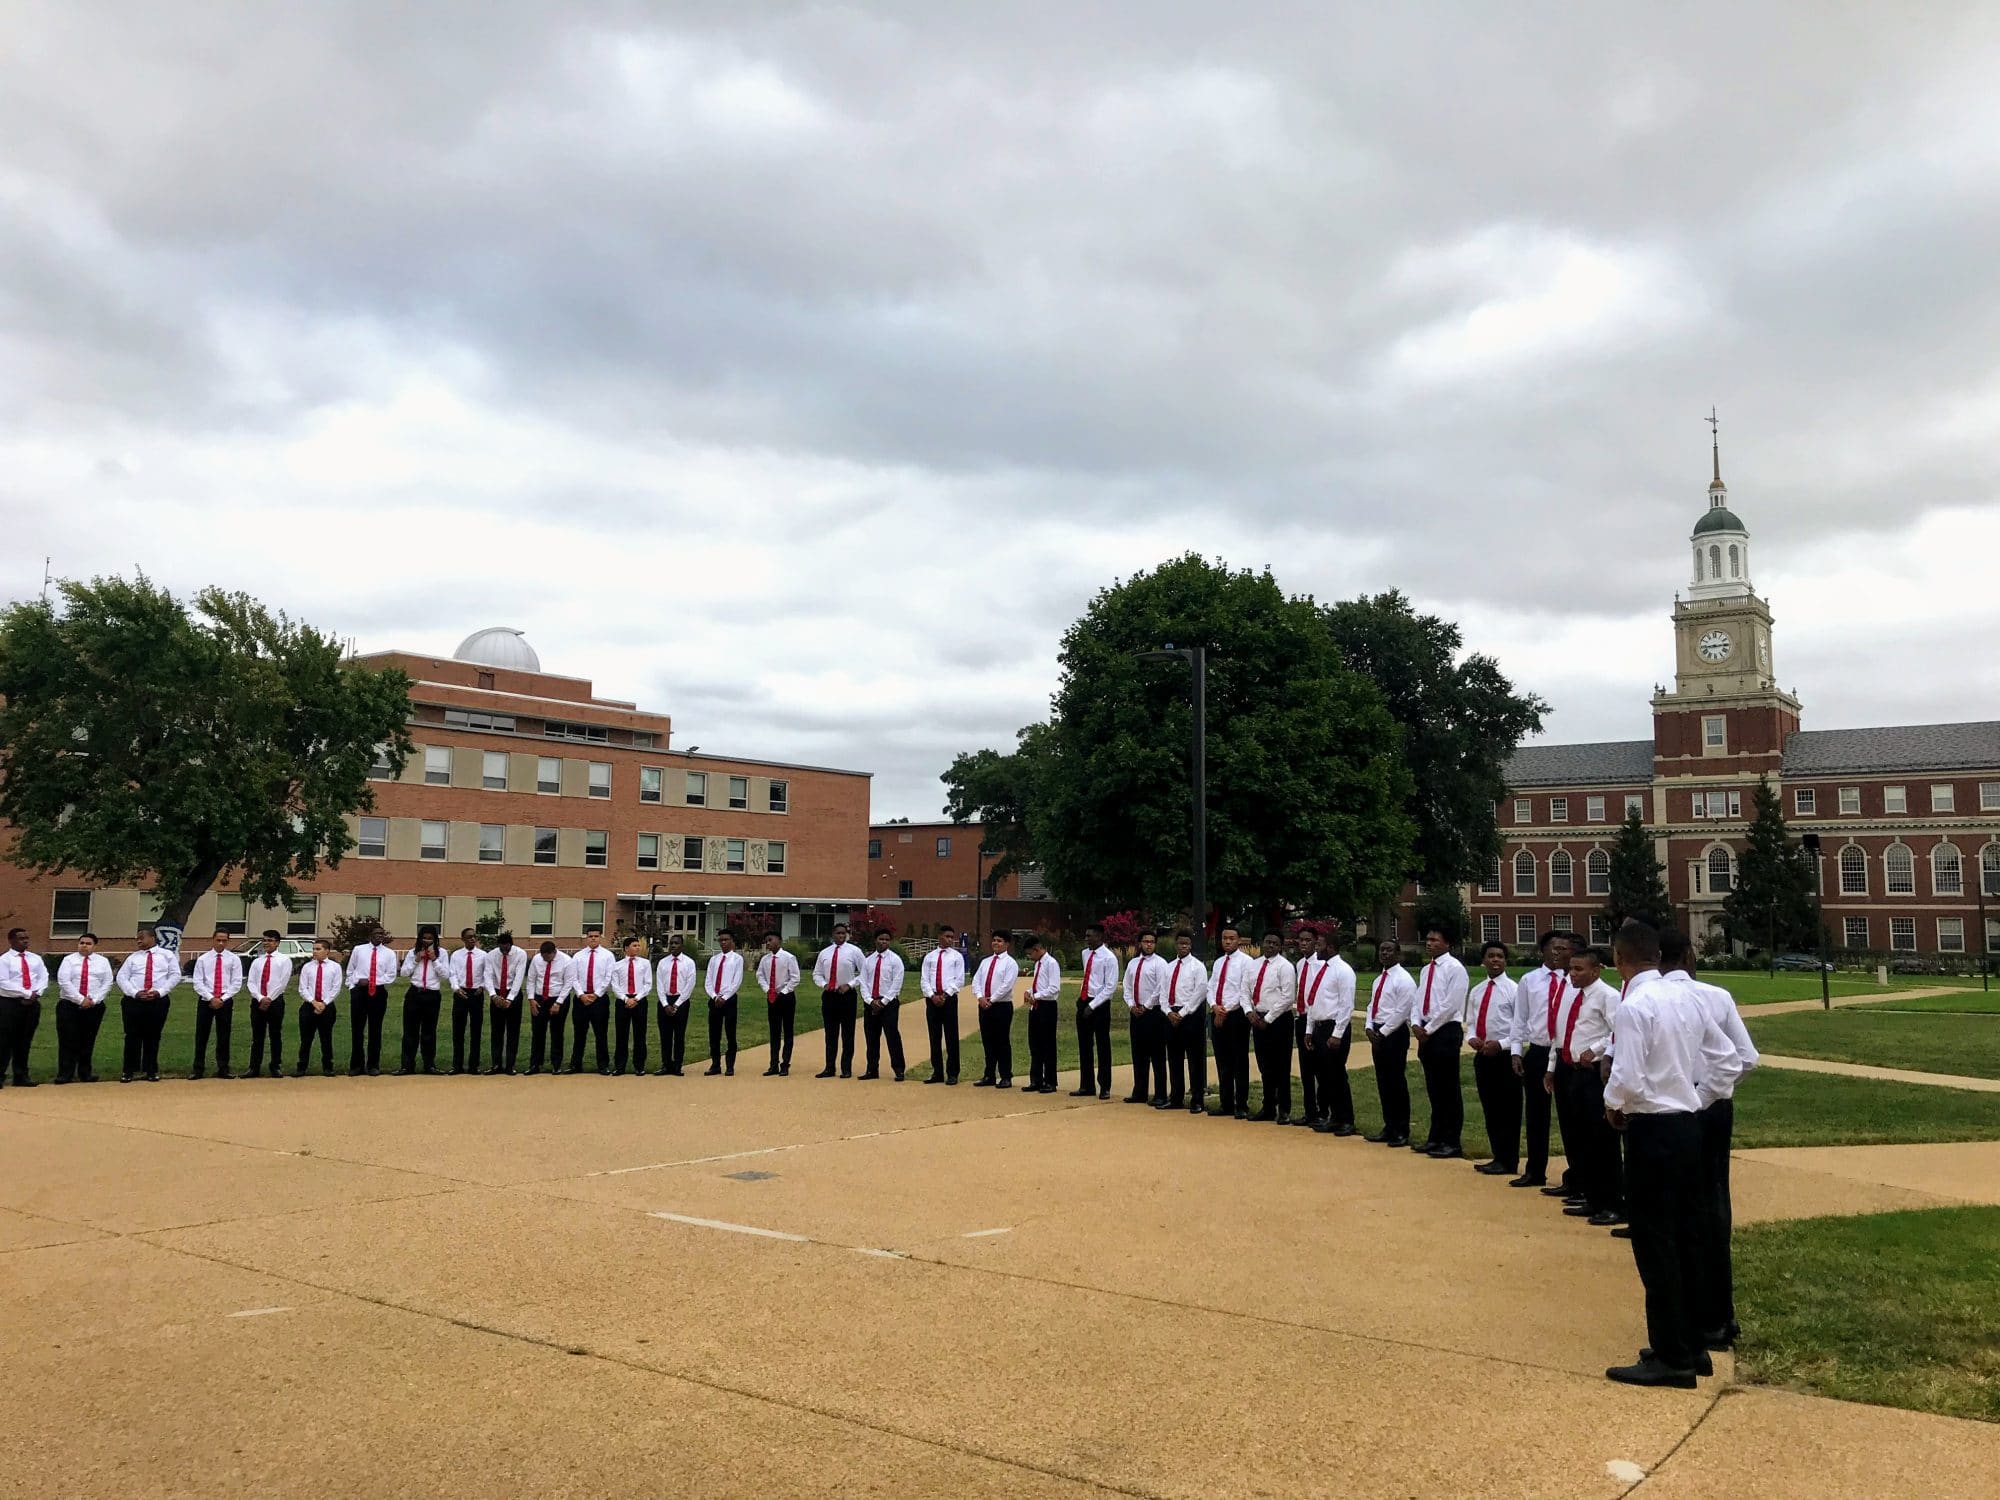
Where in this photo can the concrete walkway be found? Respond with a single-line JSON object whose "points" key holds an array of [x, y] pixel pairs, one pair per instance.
{"points": [[1840, 1002], [1887, 1075]]}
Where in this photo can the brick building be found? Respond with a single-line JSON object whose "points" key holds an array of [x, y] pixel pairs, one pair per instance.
{"points": [[530, 797], [933, 873], [1908, 816]]}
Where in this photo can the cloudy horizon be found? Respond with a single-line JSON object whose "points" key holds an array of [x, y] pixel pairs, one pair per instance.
{"points": [[801, 371]]}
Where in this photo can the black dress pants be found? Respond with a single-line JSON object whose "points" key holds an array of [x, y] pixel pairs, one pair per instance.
{"points": [[505, 1021], [1500, 1101], [316, 1024], [1187, 1055], [884, 1023], [836, 1010], [594, 1017], [673, 1034], [366, 1010], [545, 1036], [1145, 1031], [1535, 1106], [1232, 1060], [1438, 1055], [1588, 1139], [1308, 1067], [1274, 1065], [1670, 1215], [941, 1021], [1042, 1018], [19, 1020], [784, 1026], [1093, 1046], [628, 1031], [222, 1021], [420, 1027], [1391, 1051], [76, 1038], [1718, 1312], [267, 1027], [721, 1025], [468, 1011], [1336, 1090], [996, 1041], [144, 1021]]}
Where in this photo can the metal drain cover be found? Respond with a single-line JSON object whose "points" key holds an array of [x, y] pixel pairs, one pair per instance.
{"points": [[750, 1176]]}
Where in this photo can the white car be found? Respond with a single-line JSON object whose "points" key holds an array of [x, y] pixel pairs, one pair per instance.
{"points": [[293, 948]]}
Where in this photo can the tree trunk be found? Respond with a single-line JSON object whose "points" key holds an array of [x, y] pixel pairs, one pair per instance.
{"points": [[191, 887]]}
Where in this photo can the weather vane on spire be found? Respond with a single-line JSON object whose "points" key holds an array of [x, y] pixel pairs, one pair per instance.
{"points": [[1715, 441]]}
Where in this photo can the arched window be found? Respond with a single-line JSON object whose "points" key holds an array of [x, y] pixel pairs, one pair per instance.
{"points": [[1490, 886], [1714, 562], [1853, 871], [1562, 882], [1697, 565], [1721, 874], [1989, 869], [1899, 870], [1947, 873], [1597, 873], [1524, 874], [1733, 570]]}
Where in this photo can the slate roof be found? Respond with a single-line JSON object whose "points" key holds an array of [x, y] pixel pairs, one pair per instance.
{"points": [[1897, 747], [1608, 763]]}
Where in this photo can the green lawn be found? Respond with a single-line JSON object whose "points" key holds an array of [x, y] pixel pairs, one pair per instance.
{"points": [[1926, 1041], [1775, 1107], [1899, 1309], [1966, 1002]]}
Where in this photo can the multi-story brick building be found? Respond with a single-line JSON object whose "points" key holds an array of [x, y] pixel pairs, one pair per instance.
{"points": [[932, 873], [529, 797], [1908, 817]]}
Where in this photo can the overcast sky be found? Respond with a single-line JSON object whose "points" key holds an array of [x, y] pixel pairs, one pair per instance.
{"points": [[802, 371]]}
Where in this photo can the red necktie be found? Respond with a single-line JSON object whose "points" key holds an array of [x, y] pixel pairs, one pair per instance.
{"points": [[1484, 1000], [1430, 973], [876, 982], [1375, 1000], [319, 982], [218, 975], [629, 990], [1221, 976], [148, 985], [267, 976], [546, 966], [1088, 959], [771, 988], [1174, 982], [1555, 1002], [29, 989], [1570, 1029], [991, 965], [1309, 998], [372, 952], [502, 955], [1257, 989], [590, 971]]}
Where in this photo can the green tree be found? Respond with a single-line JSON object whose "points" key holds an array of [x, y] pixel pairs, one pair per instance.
{"points": [[1771, 901], [1442, 906], [146, 743], [1460, 719], [1306, 784], [1638, 882]]}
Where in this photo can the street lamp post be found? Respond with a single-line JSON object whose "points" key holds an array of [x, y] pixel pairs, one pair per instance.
{"points": [[1197, 659], [1985, 948], [1810, 843]]}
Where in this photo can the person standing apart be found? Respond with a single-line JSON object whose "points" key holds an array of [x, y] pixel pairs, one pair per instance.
{"points": [[1539, 997], [266, 977], [1186, 1006], [146, 979], [1093, 1017], [320, 979], [83, 984], [1145, 991], [590, 983], [1584, 1027], [993, 988], [1438, 1024], [631, 983], [724, 980], [1273, 997], [882, 996], [778, 978], [1491, 1007], [673, 982], [470, 978], [507, 972], [1044, 1015], [215, 978], [939, 978], [1390, 1004], [24, 978], [1666, 1048], [371, 969], [1326, 997], [836, 971], [547, 986]]}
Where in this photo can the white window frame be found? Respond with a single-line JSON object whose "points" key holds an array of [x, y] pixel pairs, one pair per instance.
{"points": [[1989, 868], [430, 913], [1844, 867], [425, 848], [1562, 873], [639, 852], [1895, 799], [596, 848], [657, 792], [302, 917], [1805, 802], [554, 842], [437, 765], [780, 799], [541, 917], [735, 856], [1889, 878], [1951, 934], [1558, 809], [1943, 884], [739, 801], [1597, 881], [1714, 734], [546, 785], [1489, 884], [70, 926], [1524, 929], [1847, 932], [1902, 934], [695, 794], [1593, 809], [1529, 888], [226, 902], [1708, 876], [1989, 796], [379, 769], [488, 779], [596, 785], [774, 857], [364, 846], [1944, 797], [1635, 802], [694, 849], [1489, 928], [1600, 928], [1993, 934], [593, 916], [498, 855], [368, 909], [1524, 809], [1850, 801]]}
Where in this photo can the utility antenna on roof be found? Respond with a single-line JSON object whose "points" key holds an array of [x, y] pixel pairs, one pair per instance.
{"points": [[1715, 441]]}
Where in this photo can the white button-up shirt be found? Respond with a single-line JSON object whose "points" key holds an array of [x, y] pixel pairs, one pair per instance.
{"points": [[632, 977], [207, 965], [836, 966], [22, 975], [320, 980], [1187, 984], [1489, 1009], [153, 969], [673, 977], [506, 969], [1583, 1022], [941, 973], [80, 985], [994, 978], [1045, 979], [1145, 986], [1229, 982], [1327, 987], [1540, 992], [1100, 976], [1670, 1050], [265, 975], [882, 976], [778, 970], [372, 959], [1273, 986], [590, 969], [1440, 993], [725, 975], [470, 970], [426, 971], [1391, 999], [1721, 1008], [548, 978]]}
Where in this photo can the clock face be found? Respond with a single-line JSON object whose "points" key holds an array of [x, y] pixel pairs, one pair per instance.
{"points": [[1714, 646]]}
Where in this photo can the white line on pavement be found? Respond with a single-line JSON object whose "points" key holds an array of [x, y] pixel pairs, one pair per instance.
{"points": [[728, 1228]]}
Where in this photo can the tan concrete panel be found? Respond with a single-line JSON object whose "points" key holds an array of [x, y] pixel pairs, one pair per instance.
{"points": [[521, 772], [461, 843], [405, 836], [465, 766], [412, 773], [114, 913], [569, 847], [460, 912], [575, 777], [520, 844], [399, 915]]}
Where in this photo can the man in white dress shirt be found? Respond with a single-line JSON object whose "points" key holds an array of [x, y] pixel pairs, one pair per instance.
{"points": [[1228, 1016], [1145, 990], [881, 986], [1093, 1017], [507, 973], [371, 969], [215, 978], [778, 979], [1438, 1025], [631, 983], [470, 981], [320, 978], [1540, 996], [83, 984], [590, 1007], [1583, 1031], [1326, 998], [428, 972], [146, 980], [265, 979], [1273, 991], [24, 977], [940, 977], [1667, 1050], [993, 990], [1390, 1002], [1044, 1015], [1489, 1033], [1186, 1006], [723, 981], [546, 987], [836, 972], [673, 984]]}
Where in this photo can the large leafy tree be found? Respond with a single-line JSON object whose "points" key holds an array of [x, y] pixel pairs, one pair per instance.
{"points": [[1772, 898], [1307, 787], [147, 742], [1460, 719], [1638, 881]]}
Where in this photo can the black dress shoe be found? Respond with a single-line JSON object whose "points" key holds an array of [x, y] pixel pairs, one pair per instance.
{"points": [[1343, 1130], [846, 1072], [982, 1083], [326, 1069], [1240, 1113], [1703, 1364], [603, 1072], [1533, 1182], [899, 1075], [125, 1078], [1558, 1191], [1446, 1153], [404, 1072], [374, 1072], [1578, 1211], [824, 1073], [1005, 1083], [1322, 1127], [152, 1078], [869, 1074], [1285, 1120], [935, 1078], [87, 1078], [1396, 1140], [58, 1081], [1139, 1099], [1652, 1372], [196, 1074], [25, 1083], [784, 1070], [1104, 1093], [1261, 1116], [1377, 1138], [1197, 1107], [772, 1071], [1079, 1093], [1606, 1219], [712, 1070], [275, 1073], [1156, 1103], [952, 1082], [224, 1073]]}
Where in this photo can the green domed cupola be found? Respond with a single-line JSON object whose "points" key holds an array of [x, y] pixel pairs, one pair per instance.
{"points": [[1721, 540]]}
